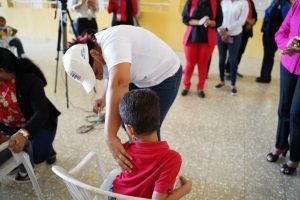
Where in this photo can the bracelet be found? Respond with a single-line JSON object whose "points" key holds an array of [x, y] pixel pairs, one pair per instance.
{"points": [[24, 133]]}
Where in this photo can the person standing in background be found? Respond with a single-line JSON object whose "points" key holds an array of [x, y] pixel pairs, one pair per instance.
{"points": [[202, 17], [123, 11], [85, 15], [288, 129], [235, 14], [246, 34], [274, 16]]}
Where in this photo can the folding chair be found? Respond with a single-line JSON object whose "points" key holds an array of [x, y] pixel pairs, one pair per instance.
{"points": [[15, 161], [83, 191]]}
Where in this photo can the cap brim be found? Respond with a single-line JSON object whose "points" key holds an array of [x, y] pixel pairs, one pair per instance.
{"points": [[90, 79]]}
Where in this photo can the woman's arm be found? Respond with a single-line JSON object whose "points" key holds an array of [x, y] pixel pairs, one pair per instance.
{"points": [[118, 85], [282, 35]]}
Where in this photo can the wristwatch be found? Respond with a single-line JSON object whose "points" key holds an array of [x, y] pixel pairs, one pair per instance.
{"points": [[24, 133]]}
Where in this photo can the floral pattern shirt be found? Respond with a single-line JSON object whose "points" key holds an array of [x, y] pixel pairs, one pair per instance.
{"points": [[10, 111]]}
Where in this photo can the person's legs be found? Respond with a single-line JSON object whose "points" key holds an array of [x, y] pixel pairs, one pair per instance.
{"points": [[42, 145], [191, 54], [204, 54], [5, 155], [222, 47], [295, 124], [233, 54], [16, 42], [287, 89], [245, 37], [167, 92], [270, 48]]}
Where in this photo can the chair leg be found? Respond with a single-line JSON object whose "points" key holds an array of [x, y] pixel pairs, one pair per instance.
{"points": [[31, 174]]}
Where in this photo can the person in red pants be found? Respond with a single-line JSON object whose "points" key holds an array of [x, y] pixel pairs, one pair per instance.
{"points": [[202, 17]]}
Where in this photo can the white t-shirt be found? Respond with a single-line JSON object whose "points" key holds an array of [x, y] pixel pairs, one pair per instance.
{"points": [[152, 60], [234, 15]]}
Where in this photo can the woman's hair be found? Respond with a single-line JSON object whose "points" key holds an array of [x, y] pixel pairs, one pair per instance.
{"points": [[140, 109], [86, 38], [10, 63]]}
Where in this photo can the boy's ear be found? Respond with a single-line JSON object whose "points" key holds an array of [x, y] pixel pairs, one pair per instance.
{"points": [[129, 130]]}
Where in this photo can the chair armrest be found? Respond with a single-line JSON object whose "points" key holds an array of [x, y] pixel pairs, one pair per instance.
{"points": [[4, 145], [107, 183], [86, 161]]}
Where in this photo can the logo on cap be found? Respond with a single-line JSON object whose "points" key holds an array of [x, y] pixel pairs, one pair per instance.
{"points": [[74, 75], [82, 52]]}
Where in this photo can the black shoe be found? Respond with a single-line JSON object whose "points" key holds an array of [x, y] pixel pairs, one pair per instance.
{"points": [[21, 179], [233, 92], [273, 157], [219, 85], [52, 158], [184, 92], [260, 80], [239, 75], [285, 169], [201, 94]]}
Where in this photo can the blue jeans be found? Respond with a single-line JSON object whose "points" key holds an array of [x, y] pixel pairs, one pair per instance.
{"points": [[167, 92], [233, 49], [289, 114], [16, 42]]}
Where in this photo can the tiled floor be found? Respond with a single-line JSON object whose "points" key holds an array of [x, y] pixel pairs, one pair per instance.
{"points": [[223, 139]]}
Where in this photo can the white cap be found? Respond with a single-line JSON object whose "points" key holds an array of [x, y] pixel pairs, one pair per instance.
{"points": [[76, 64]]}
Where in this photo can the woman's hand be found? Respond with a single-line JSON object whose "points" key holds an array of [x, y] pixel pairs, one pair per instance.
{"points": [[99, 105], [119, 153], [17, 142], [291, 50], [293, 42]]}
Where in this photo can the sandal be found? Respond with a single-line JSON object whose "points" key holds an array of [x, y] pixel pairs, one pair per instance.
{"points": [[285, 169], [274, 157], [219, 85]]}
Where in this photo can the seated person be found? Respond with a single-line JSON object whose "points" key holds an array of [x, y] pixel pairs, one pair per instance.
{"points": [[10, 34], [26, 113], [155, 165]]}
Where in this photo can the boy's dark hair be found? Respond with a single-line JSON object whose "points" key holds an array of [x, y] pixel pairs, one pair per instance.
{"points": [[140, 109]]}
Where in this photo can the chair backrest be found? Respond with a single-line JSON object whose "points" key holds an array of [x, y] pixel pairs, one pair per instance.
{"points": [[15, 161], [82, 191]]}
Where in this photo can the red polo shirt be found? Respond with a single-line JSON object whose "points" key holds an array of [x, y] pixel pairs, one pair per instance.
{"points": [[155, 168]]}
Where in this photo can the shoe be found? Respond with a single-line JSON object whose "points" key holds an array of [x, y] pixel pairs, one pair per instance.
{"points": [[260, 80], [239, 75], [233, 92], [285, 169], [219, 85], [21, 179], [52, 158], [274, 157], [201, 94], [184, 92]]}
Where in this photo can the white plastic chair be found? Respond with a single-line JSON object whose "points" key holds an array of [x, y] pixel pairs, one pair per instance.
{"points": [[15, 161], [82, 191]]}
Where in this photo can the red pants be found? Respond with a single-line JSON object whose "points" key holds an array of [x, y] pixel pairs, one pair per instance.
{"points": [[196, 53]]}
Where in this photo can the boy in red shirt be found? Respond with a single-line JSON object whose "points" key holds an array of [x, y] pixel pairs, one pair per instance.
{"points": [[155, 165]]}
